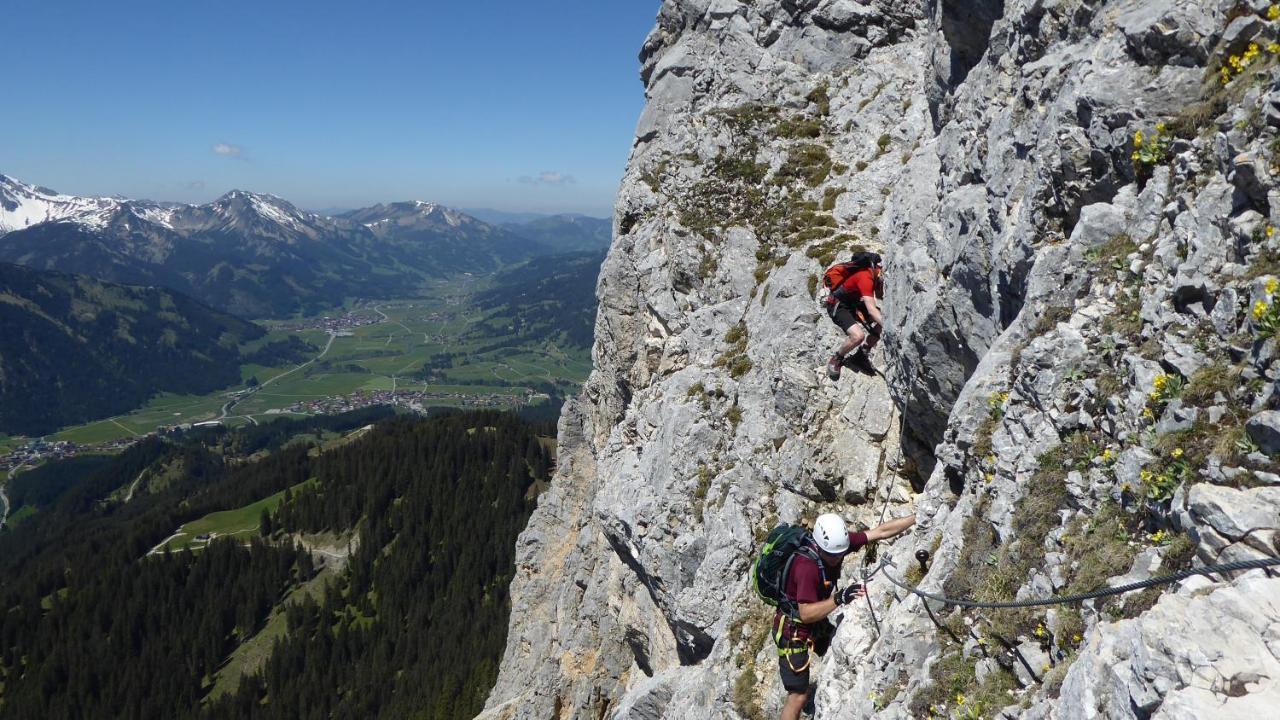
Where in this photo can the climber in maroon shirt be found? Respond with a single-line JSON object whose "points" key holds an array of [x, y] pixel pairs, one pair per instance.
{"points": [[813, 588]]}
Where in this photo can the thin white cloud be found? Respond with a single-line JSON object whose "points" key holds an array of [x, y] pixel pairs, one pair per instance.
{"points": [[228, 150], [548, 177]]}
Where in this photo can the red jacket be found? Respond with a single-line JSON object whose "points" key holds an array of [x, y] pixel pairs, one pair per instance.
{"points": [[860, 284]]}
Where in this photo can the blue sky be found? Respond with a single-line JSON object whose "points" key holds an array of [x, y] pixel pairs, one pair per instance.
{"points": [[522, 105]]}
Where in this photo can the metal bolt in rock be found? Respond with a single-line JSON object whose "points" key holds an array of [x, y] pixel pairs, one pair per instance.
{"points": [[922, 557]]}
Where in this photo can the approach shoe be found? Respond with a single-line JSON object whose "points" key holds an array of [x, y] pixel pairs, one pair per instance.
{"points": [[833, 367], [860, 362]]}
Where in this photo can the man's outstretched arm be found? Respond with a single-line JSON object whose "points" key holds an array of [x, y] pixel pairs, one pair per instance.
{"points": [[891, 528], [873, 309]]}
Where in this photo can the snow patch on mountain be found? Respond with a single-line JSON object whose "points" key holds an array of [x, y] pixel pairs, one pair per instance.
{"points": [[23, 205]]}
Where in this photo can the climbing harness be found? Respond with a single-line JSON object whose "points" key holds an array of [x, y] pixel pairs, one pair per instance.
{"points": [[1080, 597], [787, 648]]}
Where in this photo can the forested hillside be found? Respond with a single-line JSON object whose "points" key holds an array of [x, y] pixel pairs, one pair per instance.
{"points": [[74, 349], [550, 298], [105, 626]]}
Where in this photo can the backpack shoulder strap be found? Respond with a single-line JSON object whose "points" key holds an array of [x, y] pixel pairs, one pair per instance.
{"points": [[788, 604]]}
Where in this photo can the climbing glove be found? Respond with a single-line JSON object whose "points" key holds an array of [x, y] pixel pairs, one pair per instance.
{"points": [[848, 594]]}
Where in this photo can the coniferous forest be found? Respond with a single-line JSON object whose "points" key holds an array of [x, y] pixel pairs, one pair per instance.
{"points": [[411, 624]]}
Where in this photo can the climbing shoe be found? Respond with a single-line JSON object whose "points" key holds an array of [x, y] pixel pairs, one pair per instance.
{"points": [[860, 362], [833, 367]]}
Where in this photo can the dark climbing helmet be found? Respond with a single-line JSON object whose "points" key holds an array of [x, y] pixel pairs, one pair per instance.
{"points": [[863, 260]]}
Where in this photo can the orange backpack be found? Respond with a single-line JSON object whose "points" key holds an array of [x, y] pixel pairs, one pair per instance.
{"points": [[836, 275]]}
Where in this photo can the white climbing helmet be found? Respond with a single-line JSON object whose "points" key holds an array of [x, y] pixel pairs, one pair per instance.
{"points": [[831, 534]]}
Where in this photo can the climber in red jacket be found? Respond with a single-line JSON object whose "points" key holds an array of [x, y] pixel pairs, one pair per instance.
{"points": [[854, 288]]}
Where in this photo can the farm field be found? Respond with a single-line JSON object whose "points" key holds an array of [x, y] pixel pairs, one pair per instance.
{"points": [[427, 351], [240, 522], [163, 410]]}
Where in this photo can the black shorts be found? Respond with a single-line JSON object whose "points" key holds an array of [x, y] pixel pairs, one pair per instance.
{"points": [[792, 681], [845, 316]]}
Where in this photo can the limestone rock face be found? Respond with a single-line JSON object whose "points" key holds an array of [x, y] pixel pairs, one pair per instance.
{"points": [[1074, 208]]}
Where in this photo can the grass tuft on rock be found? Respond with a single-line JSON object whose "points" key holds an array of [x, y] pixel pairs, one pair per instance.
{"points": [[753, 630], [809, 163]]}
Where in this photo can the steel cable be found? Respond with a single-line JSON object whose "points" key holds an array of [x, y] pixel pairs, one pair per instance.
{"points": [[1080, 597]]}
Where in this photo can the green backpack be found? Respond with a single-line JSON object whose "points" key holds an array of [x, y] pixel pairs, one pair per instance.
{"points": [[769, 572]]}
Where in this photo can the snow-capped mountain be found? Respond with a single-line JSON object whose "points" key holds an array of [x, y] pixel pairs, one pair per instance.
{"points": [[398, 219], [23, 205], [441, 237], [415, 214], [252, 213], [251, 254]]}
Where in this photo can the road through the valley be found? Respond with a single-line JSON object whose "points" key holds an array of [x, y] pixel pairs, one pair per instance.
{"points": [[226, 408]]}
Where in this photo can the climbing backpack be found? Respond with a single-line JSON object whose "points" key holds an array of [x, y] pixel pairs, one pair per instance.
{"points": [[835, 275], [770, 570]]}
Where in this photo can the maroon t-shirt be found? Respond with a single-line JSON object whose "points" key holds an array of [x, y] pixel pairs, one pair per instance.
{"points": [[805, 585]]}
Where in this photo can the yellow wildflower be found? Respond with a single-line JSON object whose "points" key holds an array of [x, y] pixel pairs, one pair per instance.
{"points": [[1273, 48], [990, 477], [1153, 395], [959, 699], [1040, 631], [1044, 669], [1160, 381], [1160, 128], [1137, 139], [1252, 52], [1147, 413], [1271, 230], [1259, 308], [1272, 285], [1146, 475], [1273, 12], [1076, 638]]}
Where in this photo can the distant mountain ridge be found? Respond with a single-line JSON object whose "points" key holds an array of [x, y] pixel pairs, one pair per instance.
{"points": [[258, 255], [421, 230], [567, 233], [248, 254], [549, 298], [73, 349], [22, 205]]}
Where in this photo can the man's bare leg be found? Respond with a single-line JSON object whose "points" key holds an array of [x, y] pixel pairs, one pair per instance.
{"points": [[794, 704], [872, 341], [853, 339]]}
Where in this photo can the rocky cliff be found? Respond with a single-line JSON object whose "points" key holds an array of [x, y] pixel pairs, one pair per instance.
{"points": [[1074, 202]]}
